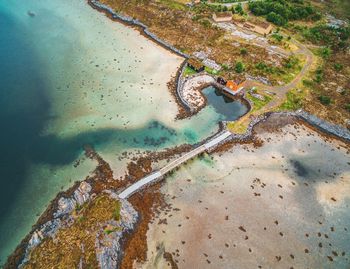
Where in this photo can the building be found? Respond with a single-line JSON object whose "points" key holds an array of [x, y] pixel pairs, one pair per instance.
{"points": [[263, 28], [195, 65], [233, 86], [222, 17]]}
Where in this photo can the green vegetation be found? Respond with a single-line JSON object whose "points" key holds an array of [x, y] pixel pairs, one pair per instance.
{"points": [[325, 53], [347, 107], [239, 67], [286, 73], [277, 37], [338, 67], [210, 71], [239, 9], [325, 100], [280, 12], [291, 62], [244, 51], [189, 71], [257, 103], [325, 35], [318, 75], [294, 101]]}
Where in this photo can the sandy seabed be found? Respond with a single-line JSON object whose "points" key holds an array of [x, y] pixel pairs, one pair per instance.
{"points": [[283, 205]]}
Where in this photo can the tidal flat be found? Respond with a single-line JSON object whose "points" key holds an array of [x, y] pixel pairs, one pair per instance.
{"points": [[284, 204]]}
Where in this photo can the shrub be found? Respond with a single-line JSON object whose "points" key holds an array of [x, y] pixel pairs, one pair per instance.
{"points": [[239, 9], [239, 67], [347, 107], [325, 53], [244, 51], [319, 75], [261, 66], [278, 37], [338, 67], [325, 100]]}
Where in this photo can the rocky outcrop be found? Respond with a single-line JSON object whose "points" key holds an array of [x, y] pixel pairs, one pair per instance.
{"points": [[109, 245], [64, 207]]}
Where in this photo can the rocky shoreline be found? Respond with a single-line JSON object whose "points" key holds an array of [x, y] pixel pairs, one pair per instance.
{"points": [[179, 82], [65, 202], [133, 22]]}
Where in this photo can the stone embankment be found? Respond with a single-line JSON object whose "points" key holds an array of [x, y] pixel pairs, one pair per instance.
{"points": [[189, 90], [133, 22], [323, 125]]}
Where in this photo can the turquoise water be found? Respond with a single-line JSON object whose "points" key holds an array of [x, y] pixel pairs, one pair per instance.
{"points": [[69, 77], [223, 105]]}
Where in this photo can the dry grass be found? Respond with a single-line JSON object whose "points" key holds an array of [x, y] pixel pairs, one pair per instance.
{"points": [[77, 241]]}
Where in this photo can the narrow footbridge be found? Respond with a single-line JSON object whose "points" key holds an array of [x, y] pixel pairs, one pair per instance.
{"points": [[157, 175]]}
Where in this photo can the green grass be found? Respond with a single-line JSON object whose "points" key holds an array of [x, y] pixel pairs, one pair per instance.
{"points": [[189, 71], [293, 102], [257, 103], [211, 71]]}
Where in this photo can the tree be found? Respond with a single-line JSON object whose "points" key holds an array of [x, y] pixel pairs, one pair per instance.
{"points": [[239, 9], [276, 19], [239, 67], [325, 53]]}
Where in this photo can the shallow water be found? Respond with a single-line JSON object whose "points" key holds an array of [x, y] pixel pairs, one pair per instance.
{"points": [[293, 215], [69, 76], [229, 108]]}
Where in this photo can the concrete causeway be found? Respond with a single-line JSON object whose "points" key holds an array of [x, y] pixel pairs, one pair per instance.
{"points": [[157, 175]]}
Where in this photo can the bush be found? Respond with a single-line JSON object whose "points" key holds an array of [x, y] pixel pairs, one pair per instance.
{"points": [[338, 67], [278, 37], [244, 51], [239, 67], [276, 19], [261, 66], [325, 100], [325, 53], [347, 107], [239, 9], [319, 75]]}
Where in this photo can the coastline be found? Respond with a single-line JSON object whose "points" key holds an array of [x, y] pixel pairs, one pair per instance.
{"points": [[321, 126], [103, 175], [143, 29]]}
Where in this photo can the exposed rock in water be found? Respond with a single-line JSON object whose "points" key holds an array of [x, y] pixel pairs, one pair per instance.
{"points": [[31, 13]]}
